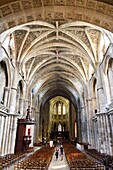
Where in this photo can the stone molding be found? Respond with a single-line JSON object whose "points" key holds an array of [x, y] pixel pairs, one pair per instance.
{"points": [[21, 12]]}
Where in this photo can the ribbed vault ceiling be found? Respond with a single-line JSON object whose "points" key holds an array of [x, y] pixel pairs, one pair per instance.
{"points": [[52, 45]]}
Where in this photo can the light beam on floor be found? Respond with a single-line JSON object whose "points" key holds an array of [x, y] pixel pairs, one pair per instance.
{"points": [[59, 166]]}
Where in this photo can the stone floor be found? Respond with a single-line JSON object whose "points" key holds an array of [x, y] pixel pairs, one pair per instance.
{"points": [[58, 164], [54, 164]]}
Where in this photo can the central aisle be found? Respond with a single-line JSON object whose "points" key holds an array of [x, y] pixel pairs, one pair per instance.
{"points": [[58, 164]]}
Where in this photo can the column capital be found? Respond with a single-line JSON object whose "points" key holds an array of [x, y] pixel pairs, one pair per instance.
{"points": [[7, 88], [93, 98], [94, 118], [90, 99], [99, 88], [100, 113], [21, 98], [110, 112], [82, 107], [13, 88], [37, 112], [33, 107]]}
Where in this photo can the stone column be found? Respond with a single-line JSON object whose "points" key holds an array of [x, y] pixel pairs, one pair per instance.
{"points": [[21, 106], [13, 96], [105, 135], [45, 125], [56, 112], [84, 125], [13, 100], [109, 119], [13, 134], [99, 132], [102, 146], [111, 123], [73, 122], [49, 125], [4, 135], [24, 102], [62, 116], [95, 133], [100, 92], [1, 133], [111, 141], [31, 99], [6, 96], [89, 119], [12, 129], [36, 127], [93, 122], [1, 127], [70, 122], [40, 127], [94, 105], [110, 75], [10, 134], [7, 134], [89, 110]]}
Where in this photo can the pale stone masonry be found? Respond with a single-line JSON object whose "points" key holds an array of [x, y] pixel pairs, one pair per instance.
{"points": [[62, 49]]}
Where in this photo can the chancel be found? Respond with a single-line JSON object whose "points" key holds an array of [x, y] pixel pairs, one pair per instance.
{"points": [[56, 83]]}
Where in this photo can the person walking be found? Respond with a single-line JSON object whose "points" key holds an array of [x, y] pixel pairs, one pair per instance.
{"points": [[56, 153], [61, 152]]}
